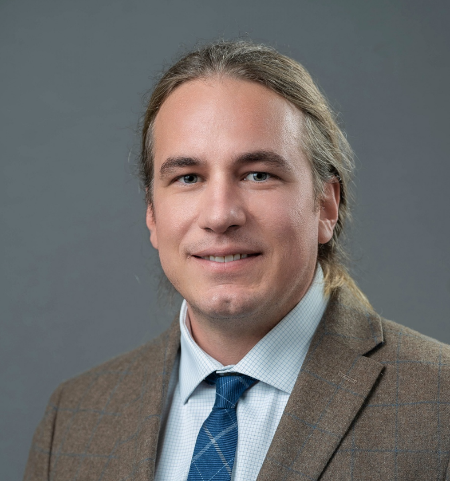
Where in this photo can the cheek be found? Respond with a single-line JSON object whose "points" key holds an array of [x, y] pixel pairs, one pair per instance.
{"points": [[295, 246], [293, 222], [172, 220]]}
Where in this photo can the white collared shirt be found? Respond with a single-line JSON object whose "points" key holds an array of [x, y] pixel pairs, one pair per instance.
{"points": [[275, 361]]}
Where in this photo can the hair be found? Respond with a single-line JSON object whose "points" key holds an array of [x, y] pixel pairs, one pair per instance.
{"points": [[323, 142]]}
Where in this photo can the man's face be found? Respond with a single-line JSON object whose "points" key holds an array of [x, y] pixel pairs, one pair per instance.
{"points": [[234, 217]]}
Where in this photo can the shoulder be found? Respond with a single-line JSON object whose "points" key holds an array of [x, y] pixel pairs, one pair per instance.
{"points": [[415, 376], [403, 343], [103, 409], [358, 326], [121, 376], [408, 357]]}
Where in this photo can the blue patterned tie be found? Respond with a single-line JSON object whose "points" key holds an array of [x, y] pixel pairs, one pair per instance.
{"points": [[215, 448]]}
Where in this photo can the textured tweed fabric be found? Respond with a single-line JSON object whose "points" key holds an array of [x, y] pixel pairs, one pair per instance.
{"points": [[371, 402]]}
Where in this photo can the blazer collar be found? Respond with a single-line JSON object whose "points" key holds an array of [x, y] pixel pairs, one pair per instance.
{"points": [[333, 383], [331, 388], [158, 361]]}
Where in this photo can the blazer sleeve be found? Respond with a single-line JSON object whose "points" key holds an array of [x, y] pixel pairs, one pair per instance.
{"points": [[39, 459]]}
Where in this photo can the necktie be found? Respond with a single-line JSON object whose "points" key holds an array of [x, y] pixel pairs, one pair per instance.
{"points": [[215, 448]]}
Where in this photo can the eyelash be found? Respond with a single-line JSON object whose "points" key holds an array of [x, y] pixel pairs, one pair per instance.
{"points": [[257, 172], [179, 179]]}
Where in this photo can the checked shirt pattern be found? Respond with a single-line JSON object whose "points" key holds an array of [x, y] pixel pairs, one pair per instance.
{"points": [[215, 448]]}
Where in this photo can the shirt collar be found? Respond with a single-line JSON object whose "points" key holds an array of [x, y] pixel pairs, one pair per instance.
{"points": [[275, 360]]}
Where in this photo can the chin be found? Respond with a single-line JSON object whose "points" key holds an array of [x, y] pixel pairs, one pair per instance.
{"points": [[226, 307]]}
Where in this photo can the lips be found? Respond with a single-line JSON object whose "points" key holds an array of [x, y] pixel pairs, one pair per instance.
{"points": [[223, 255], [227, 258]]}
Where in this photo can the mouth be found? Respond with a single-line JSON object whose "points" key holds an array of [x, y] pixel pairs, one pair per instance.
{"points": [[227, 258]]}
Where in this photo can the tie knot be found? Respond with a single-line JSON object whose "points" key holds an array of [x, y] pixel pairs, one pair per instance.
{"points": [[229, 388]]}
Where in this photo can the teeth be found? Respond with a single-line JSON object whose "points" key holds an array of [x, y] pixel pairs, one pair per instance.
{"points": [[228, 258]]}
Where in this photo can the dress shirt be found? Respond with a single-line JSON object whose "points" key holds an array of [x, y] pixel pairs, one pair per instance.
{"points": [[275, 361]]}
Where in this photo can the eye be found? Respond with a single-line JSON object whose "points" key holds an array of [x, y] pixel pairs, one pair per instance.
{"points": [[258, 176], [188, 179]]}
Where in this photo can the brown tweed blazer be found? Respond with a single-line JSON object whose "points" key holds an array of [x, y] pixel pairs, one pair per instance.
{"points": [[372, 402]]}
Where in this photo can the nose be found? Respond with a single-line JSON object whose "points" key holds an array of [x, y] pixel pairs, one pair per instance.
{"points": [[222, 208]]}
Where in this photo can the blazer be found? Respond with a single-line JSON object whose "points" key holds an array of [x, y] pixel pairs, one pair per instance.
{"points": [[371, 402]]}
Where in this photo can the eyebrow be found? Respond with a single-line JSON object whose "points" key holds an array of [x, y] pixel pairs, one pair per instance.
{"points": [[260, 156], [265, 157], [173, 163]]}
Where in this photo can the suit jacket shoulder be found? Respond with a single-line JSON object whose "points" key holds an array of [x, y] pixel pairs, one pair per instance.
{"points": [[414, 343], [372, 402], [104, 423]]}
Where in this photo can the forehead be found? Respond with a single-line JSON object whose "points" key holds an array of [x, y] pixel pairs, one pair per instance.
{"points": [[227, 115]]}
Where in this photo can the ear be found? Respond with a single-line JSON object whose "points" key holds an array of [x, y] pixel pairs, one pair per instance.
{"points": [[329, 210], [151, 224]]}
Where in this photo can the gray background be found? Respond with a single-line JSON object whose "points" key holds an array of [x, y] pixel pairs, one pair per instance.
{"points": [[79, 277]]}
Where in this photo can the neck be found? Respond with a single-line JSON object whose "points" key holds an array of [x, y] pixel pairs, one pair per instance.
{"points": [[228, 341]]}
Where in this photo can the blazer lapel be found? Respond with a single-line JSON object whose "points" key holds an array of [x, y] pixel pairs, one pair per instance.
{"points": [[333, 384], [158, 361]]}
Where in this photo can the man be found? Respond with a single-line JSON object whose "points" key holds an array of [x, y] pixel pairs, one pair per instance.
{"points": [[277, 368]]}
